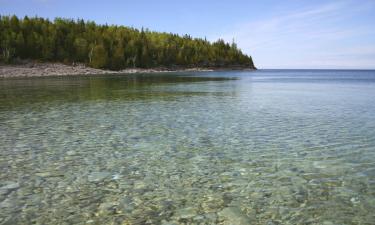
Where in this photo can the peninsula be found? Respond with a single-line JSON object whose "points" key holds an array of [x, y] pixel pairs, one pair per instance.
{"points": [[37, 46]]}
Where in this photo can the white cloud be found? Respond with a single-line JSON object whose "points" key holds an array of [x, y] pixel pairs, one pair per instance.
{"points": [[309, 37]]}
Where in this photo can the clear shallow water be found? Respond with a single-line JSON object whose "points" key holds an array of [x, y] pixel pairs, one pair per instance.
{"points": [[264, 147]]}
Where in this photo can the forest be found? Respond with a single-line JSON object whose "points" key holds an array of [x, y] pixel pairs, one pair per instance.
{"points": [[110, 46]]}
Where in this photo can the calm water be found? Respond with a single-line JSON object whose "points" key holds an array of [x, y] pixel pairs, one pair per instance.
{"points": [[266, 147]]}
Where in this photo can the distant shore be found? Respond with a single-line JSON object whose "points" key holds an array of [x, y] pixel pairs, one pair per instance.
{"points": [[59, 69]]}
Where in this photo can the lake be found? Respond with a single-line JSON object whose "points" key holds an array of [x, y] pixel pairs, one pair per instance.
{"points": [[237, 147]]}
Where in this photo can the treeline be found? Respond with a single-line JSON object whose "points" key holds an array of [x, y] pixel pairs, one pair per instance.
{"points": [[110, 47]]}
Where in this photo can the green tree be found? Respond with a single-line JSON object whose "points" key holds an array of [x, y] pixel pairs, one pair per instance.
{"points": [[110, 47], [81, 49], [99, 57]]}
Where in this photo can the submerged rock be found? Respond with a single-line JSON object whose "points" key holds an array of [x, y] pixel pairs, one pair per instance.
{"points": [[211, 217], [355, 200], [107, 208], [10, 186], [186, 213], [98, 176], [7, 203], [233, 216], [116, 177], [49, 174], [71, 153], [43, 174], [169, 223], [139, 185], [126, 205]]}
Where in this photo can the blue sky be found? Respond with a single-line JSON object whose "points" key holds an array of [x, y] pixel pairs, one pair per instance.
{"points": [[277, 34]]}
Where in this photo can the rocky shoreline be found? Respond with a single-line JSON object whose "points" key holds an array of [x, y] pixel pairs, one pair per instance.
{"points": [[59, 69]]}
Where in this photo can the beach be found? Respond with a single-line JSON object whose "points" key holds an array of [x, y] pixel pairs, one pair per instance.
{"points": [[59, 69]]}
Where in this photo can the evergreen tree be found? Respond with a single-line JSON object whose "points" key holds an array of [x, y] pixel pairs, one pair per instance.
{"points": [[99, 57], [110, 47]]}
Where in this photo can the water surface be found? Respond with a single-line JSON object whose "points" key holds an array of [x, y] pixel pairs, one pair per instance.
{"points": [[262, 147]]}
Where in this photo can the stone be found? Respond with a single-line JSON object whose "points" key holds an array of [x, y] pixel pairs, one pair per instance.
{"points": [[186, 213], [212, 217], [49, 174], [43, 174], [126, 205], [139, 185], [10, 186], [7, 203], [71, 153], [198, 218], [107, 208], [233, 216], [355, 200], [98, 176], [168, 223], [116, 176]]}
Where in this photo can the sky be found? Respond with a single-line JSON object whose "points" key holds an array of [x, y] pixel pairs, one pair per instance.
{"points": [[288, 34]]}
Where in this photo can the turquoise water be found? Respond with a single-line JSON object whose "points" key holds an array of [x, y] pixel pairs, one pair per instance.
{"points": [[264, 147]]}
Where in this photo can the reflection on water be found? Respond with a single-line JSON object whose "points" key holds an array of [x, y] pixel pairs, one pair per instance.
{"points": [[132, 87], [264, 147]]}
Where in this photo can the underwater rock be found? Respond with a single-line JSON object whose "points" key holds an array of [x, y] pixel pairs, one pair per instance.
{"points": [[211, 217], [107, 208], [233, 216], [10, 186], [49, 174], [186, 213], [355, 200], [169, 223], [71, 153], [139, 185], [98, 176], [126, 205], [7, 203]]}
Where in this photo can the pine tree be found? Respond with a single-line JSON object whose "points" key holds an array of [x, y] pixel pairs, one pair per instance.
{"points": [[110, 47]]}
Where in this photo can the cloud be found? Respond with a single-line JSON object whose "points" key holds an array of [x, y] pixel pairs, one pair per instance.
{"points": [[309, 37]]}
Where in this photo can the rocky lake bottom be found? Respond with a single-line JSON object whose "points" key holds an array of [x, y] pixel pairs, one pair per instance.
{"points": [[263, 147]]}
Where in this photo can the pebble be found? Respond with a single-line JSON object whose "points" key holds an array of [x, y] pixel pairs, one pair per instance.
{"points": [[49, 174], [211, 217], [6, 204], [98, 176], [10, 186], [234, 216], [168, 223], [43, 174], [106, 208], [116, 176], [71, 153], [355, 200], [186, 213], [139, 185]]}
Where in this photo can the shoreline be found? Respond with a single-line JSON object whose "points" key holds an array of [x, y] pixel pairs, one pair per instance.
{"points": [[59, 69]]}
